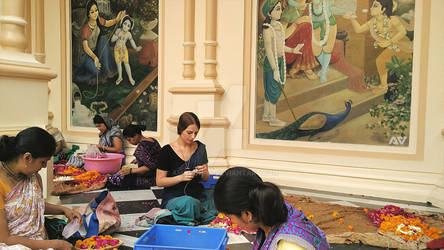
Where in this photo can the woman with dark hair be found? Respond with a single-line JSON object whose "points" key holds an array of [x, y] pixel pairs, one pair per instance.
{"points": [[182, 164], [22, 206], [96, 59], [146, 154], [111, 139], [259, 206]]}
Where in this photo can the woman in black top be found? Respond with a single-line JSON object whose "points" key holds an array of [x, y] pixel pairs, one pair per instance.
{"points": [[183, 163]]}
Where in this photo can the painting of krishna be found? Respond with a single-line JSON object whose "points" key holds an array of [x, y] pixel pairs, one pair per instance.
{"points": [[114, 50], [334, 71]]}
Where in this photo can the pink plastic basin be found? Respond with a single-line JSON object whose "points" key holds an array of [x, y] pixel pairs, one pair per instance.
{"points": [[108, 165]]}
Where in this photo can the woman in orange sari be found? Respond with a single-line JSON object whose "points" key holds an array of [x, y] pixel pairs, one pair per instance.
{"points": [[22, 206]]}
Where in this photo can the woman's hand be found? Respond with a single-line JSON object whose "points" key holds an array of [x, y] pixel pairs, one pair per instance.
{"points": [[121, 14], [97, 63], [297, 49], [384, 44], [61, 245], [71, 214], [187, 175], [124, 171], [201, 170]]}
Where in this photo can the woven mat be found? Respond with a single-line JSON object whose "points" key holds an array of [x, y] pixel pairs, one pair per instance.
{"points": [[362, 230]]}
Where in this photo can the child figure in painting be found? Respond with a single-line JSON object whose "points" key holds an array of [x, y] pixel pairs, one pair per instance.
{"points": [[274, 63], [389, 32], [324, 32], [122, 35]]}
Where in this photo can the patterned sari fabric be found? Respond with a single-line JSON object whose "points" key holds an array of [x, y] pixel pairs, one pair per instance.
{"points": [[297, 229], [24, 208]]}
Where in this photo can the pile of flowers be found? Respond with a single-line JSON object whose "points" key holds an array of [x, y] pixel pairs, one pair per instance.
{"points": [[89, 178], [222, 221], [394, 219], [375, 216], [67, 170], [98, 242]]}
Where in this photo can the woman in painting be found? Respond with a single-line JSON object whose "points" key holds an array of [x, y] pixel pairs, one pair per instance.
{"points": [[111, 139], [182, 164], [389, 33], [259, 206], [146, 154], [96, 58], [274, 63], [298, 30], [22, 207]]}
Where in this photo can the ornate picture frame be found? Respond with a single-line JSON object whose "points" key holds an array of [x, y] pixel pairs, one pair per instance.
{"points": [[409, 145], [128, 84]]}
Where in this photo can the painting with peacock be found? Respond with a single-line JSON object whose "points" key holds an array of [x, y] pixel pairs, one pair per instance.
{"points": [[334, 71]]}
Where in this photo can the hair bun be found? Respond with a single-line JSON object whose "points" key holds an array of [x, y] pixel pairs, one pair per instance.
{"points": [[7, 145], [142, 127]]}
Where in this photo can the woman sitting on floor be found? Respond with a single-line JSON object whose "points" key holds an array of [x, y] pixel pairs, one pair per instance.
{"points": [[259, 206], [146, 153], [182, 164], [111, 139], [22, 206]]}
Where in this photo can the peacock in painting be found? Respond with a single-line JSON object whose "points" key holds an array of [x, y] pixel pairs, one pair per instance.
{"points": [[308, 125]]}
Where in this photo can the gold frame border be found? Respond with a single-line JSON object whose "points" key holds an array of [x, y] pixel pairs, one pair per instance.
{"points": [[422, 94], [64, 17]]}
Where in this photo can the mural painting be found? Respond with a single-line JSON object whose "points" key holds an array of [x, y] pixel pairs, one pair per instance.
{"points": [[115, 61], [334, 71]]}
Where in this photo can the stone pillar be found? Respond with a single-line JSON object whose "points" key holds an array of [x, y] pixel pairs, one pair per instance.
{"points": [[189, 43], [12, 26], [210, 39], [40, 32]]}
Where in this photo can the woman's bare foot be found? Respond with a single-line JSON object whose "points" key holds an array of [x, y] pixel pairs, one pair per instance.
{"points": [[132, 81], [118, 80], [311, 75], [292, 73]]}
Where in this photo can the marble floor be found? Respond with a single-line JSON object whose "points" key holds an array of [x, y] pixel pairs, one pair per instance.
{"points": [[134, 203]]}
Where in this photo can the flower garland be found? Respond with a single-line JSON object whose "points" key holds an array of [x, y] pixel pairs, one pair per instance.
{"points": [[384, 34], [222, 221], [394, 219], [89, 178], [410, 229], [327, 24], [98, 242], [67, 170], [275, 51]]}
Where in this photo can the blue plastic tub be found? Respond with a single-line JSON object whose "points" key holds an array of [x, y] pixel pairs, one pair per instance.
{"points": [[211, 183], [167, 237]]}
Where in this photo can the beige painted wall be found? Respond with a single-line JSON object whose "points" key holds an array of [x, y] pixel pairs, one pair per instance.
{"points": [[400, 179]]}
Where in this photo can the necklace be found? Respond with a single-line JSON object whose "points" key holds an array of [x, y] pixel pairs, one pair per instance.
{"points": [[275, 51], [11, 173], [92, 26], [384, 34], [327, 24]]}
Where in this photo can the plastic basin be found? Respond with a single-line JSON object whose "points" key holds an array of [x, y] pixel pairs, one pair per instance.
{"points": [[107, 165]]}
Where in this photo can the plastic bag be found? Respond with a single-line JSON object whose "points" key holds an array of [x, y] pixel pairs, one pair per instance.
{"points": [[93, 152], [101, 216]]}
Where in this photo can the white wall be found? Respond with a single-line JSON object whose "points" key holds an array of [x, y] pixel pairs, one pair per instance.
{"points": [[396, 178]]}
